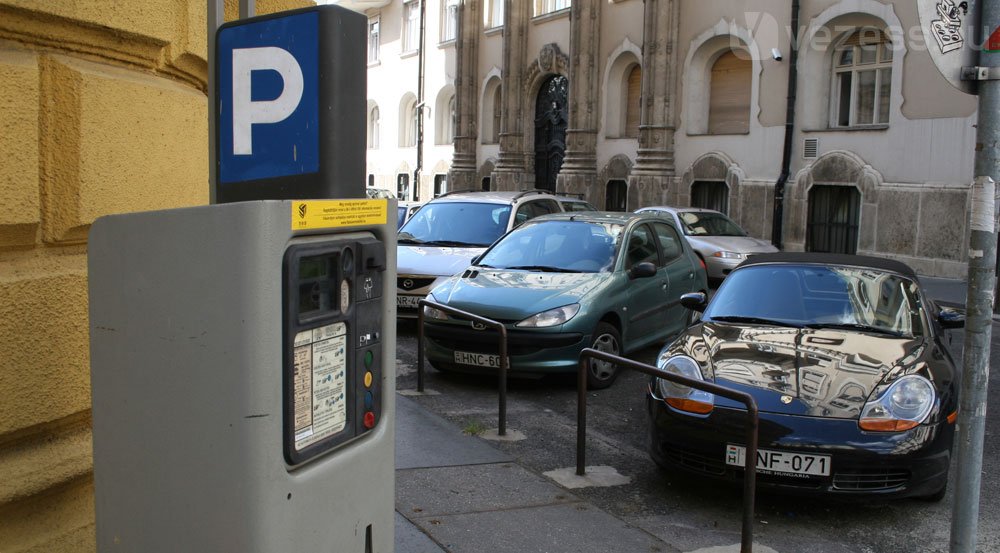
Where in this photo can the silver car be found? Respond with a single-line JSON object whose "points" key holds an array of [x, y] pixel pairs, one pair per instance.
{"points": [[443, 236], [716, 238]]}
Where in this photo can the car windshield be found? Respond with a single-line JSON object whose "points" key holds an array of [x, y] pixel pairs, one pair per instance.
{"points": [[706, 223], [471, 224], [813, 296], [557, 246]]}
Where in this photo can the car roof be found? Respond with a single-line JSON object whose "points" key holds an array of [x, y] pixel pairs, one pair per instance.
{"points": [[844, 260], [672, 209], [495, 197], [613, 217]]}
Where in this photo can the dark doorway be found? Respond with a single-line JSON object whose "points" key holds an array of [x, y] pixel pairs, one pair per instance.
{"points": [[551, 115], [440, 185], [834, 216], [486, 184], [403, 186], [710, 195], [616, 196]]}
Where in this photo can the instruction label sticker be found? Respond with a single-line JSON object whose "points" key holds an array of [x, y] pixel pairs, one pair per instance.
{"points": [[319, 383], [323, 214]]}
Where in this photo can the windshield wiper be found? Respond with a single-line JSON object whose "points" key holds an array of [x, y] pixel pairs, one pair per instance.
{"points": [[407, 238], [540, 268], [754, 320], [452, 244], [856, 326]]}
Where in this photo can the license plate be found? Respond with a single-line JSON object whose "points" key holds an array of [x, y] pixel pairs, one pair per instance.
{"points": [[408, 301], [478, 359], [785, 462]]}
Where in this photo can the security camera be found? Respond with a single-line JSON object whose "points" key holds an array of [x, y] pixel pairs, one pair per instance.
{"points": [[776, 54]]}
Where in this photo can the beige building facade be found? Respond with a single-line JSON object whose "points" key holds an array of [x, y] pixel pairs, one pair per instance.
{"points": [[679, 102], [103, 110]]}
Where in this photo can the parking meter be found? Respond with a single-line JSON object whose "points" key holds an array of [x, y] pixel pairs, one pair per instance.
{"points": [[243, 370]]}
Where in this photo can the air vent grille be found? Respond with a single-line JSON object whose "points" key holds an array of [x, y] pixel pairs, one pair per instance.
{"points": [[810, 148]]}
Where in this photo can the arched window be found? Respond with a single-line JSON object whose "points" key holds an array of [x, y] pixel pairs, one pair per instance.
{"points": [[729, 104], [862, 79], [408, 121], [373, 128], [633, 90], [490, 128], [444, 117]]}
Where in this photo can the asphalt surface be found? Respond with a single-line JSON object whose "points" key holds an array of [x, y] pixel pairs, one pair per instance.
{"points": [[502, 500]]}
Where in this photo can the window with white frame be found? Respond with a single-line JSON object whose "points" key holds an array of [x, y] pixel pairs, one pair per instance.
{"points": [[411, 25], [543, 7], [408, 122], [444, 118], [373, 40], [449, 27], [373, 130], [862, 80], [493, 13]]}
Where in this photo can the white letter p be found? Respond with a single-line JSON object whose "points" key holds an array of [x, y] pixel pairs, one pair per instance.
{"points": [[246, 112]]}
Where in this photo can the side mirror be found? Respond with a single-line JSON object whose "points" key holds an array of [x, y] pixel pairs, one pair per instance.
{"points": [[695, 301], [642, 270], [951, 318]]}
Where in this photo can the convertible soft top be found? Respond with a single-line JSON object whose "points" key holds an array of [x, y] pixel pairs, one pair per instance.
{"points": [[839, 259]]}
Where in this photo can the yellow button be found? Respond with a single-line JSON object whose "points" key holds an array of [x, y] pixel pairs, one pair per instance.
{"points": [[368, 379]]}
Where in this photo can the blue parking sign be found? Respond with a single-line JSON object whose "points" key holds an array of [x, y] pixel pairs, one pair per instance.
{"points": [[268, 98]]}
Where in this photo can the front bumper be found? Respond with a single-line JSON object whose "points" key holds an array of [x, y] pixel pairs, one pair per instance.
{"points": [[719, 268], [907, 464], [410, 289], [530, 351]]}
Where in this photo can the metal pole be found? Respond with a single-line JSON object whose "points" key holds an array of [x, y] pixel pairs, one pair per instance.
{"points": [[420, 102], [420, 348], [504, 367], [215, 18], [979, 299], [581, 415]]}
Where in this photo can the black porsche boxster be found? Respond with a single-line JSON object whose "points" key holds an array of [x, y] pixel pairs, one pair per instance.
{"points": [[857, 393]]}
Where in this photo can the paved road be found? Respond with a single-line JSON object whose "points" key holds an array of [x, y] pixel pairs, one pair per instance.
{"points": [[689, 512]]}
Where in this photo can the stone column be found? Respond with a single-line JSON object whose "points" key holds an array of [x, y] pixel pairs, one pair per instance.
{"points": [[510, 172], [463, 174], [579, 169], [654, 170]]}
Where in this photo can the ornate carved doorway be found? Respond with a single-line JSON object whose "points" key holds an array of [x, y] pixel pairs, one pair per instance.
{"points": [[551, 115]]}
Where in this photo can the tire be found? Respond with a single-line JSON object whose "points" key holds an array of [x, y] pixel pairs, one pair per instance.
{"points": [[607, 339]]}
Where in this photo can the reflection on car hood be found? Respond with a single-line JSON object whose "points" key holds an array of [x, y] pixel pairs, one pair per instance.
{"points": [[826, 373], [708, 245], [515, 295], [433, 261]]}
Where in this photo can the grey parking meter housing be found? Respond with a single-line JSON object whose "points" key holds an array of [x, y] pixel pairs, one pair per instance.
{"points": [[243, 369]]}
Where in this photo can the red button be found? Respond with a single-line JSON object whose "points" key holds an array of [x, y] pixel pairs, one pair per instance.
{"points": [[369, 419]]}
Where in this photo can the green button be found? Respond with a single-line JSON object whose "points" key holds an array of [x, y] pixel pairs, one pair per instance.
{"points": [[369, 358]]}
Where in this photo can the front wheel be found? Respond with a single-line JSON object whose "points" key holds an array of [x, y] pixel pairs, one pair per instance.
{"points": [[601, 374]]}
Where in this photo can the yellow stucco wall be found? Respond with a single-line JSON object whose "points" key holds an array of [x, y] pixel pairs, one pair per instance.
{"points": [[102, 110]]}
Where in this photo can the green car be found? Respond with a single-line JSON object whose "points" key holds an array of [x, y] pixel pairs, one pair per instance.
{"points": [[564, 282]]}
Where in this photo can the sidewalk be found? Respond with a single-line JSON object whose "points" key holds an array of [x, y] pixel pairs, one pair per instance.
{"points": [[456, 494]]}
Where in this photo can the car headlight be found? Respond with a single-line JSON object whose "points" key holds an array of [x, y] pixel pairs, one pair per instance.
{"points": [[728, 255], [902, 406], [433, 312], [552, 317], [680, 397]]}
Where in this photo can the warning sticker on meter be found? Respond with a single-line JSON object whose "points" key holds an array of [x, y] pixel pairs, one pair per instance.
{"points": [[323, 214], [319, 383]]}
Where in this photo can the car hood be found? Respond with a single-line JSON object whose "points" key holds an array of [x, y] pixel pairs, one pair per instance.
{"points": [[823, 373], [433, 261], [743, 244], [515, 295]]}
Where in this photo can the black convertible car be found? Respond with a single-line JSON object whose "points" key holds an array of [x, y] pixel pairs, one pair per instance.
{"points": [[845, 357]]}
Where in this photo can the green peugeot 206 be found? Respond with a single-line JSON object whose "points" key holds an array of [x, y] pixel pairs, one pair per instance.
{"points": [[561, 283]]}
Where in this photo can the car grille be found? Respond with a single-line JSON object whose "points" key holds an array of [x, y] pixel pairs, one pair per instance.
{"points": [[695, 461], [413, 283], [870, 479]]}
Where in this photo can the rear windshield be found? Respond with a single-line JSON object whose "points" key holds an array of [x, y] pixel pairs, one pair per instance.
{"points": [[456, 224]]}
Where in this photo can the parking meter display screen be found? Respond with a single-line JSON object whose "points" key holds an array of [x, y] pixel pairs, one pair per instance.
{"points": [[315, 285]]}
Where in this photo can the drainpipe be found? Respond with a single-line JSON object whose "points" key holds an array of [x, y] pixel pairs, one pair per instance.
{"points": [[420, 101], [786, 155]]}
